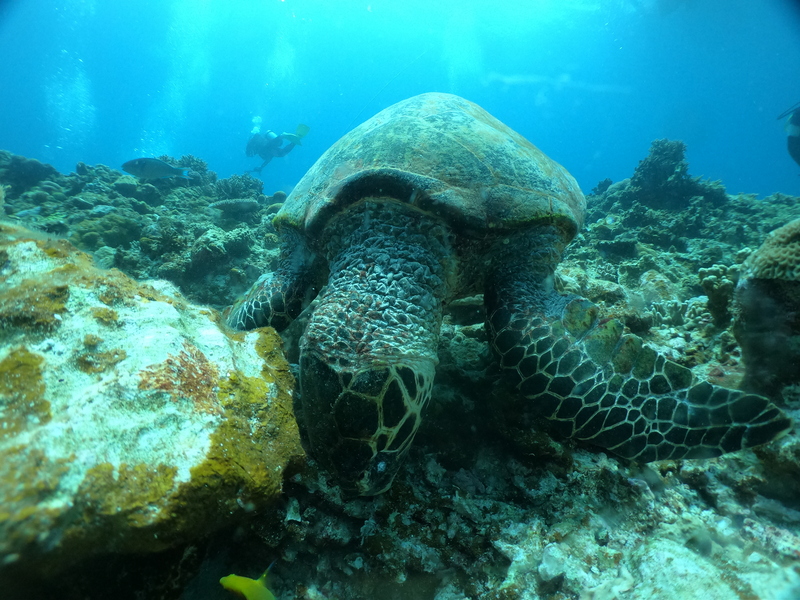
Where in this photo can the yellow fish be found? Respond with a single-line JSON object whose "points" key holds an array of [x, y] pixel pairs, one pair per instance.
{"points": [[250, 589]]}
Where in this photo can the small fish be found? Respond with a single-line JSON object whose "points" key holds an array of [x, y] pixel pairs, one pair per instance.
{"points": [[30, 212], [152, 168], [250, 589]]}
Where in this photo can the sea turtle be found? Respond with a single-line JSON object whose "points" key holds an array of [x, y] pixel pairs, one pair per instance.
{"points": [[434, 199]]}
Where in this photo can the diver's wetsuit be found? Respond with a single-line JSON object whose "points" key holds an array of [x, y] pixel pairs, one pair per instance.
{"points": [[267, 146]]}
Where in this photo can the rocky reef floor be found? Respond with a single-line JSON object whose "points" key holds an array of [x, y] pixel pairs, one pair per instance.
{"points": [[477, 512]]}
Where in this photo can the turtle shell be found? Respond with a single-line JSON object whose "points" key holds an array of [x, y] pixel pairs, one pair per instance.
{"points": [[445, 155]]}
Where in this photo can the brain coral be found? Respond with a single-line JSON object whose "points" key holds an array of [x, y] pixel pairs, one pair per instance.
{"points": [[779, 255]]}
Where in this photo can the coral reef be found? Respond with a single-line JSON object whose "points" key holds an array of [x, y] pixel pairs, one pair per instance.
{"points": [[662, 180], [483, 510], [132, 422], [238, 186], [22, 173], [236, 206], [698, 246], [150, 229], [718, 283]]}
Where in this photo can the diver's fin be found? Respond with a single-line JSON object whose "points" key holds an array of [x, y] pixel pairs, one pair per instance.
{"points": [[264, 579], [788, 111], [298, 134], [293, 138]]}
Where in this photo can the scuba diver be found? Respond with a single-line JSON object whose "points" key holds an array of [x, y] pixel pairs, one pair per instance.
{"points": [[269, 145], [793, 130]]}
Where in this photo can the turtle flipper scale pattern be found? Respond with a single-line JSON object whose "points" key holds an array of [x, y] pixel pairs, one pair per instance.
{"points": [[596, 384], [277, 297]]}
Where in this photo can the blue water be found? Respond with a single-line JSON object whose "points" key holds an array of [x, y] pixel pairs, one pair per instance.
{"points": [[591, 82]]}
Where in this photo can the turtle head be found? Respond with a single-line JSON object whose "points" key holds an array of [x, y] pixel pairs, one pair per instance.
{"points": [[359, 424]]}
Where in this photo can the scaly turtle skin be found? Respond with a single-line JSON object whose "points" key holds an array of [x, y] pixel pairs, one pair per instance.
{"points": [[434, 199]]}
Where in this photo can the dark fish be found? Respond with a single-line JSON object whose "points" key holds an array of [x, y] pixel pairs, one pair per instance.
{"points": [[152, 168]]}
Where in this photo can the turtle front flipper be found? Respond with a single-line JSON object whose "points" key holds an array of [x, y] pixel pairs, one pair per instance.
{"points": [[595, 383], [277, 297], [369, 353]]}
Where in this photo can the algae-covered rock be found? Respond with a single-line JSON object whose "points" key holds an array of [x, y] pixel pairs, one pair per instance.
{"points": [[131, 420]]}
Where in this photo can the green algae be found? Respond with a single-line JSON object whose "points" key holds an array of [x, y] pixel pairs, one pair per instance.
{"points": [[128, 492], [105, 316], [33, 305], [22, 390]]}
